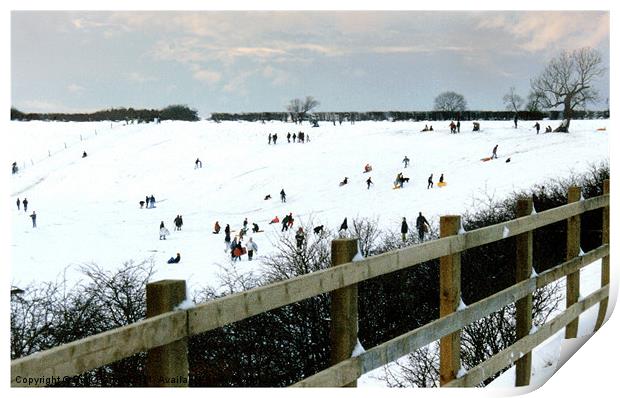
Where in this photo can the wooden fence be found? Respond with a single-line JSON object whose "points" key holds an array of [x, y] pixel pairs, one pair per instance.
{"points": [[165, 331]]}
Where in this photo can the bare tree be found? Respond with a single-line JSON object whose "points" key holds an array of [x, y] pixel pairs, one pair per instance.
{"points": [[512, 100], [533, 102], [450, 101], [567, 81], [298, 108]]}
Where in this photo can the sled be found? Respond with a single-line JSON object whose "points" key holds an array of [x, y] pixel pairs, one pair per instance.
{"points": [[442, 184], [260, 230], [396, 187], [486, 159], [602, 129]]}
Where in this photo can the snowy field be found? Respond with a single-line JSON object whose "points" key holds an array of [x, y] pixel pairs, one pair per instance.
{"points": [[88, 209]]}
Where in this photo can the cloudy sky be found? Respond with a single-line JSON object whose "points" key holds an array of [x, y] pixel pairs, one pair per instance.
{"points": [[66, 61]]}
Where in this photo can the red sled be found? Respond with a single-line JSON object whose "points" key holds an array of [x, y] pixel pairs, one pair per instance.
{"points": [[486, 159]]}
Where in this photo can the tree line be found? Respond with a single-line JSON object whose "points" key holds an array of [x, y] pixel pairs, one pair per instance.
{"points": [[172, 112]]}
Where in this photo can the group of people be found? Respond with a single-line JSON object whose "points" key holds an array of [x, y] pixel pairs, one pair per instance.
{"points": [[421, 224], [455, 127], [149, 201], [298, 137], [426, 128], [24, 203]]}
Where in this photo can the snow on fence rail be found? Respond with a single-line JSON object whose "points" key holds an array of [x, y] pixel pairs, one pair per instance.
{"points": [[164, 329]]}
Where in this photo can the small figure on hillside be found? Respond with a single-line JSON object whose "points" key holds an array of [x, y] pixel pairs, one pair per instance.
{"points": [[152, 201], [404, 228], [290, 220], [516, 119], [422, 225], [242, 233], [14, 168], [245, 222], [548, 129], [269, 139], [458, 126], [425, 128], [299, 238], [367, 168], [274, 138], [175, 260], [178, 223], [295, 137], [452, 127], [267, 197], [275, 220], [318, 230], [476, 126], [25, 203], [227, 236], [344, 182], [406, 161], [288, 137], [441, 178], [141, 203], [251, 247], [285, 223], [307, 138], [344, 226], [147, 199], [255, 228], [198, 164], [283, 196], [84, 155], [494, 155], [369, 183], [34, 219], [430, 128], [430, 182], [216, 227], [163, 231], [508, 160], [537, 127], [18, 202]]}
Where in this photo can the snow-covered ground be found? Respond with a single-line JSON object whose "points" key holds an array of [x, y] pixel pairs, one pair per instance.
{"points": [[88, 207]]}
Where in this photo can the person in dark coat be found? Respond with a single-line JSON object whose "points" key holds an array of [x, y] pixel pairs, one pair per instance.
{"points": [[288, 137], [274, 138], [255, 228], [25, 203], [516, 119], [299, 237], [178, 223], [430, 182], [494, 155], [175, 260], [285, 222], [227, 236], [269, 139], [537, 127], [163, 231], [441, 178], [369, 182], [294, 137], [84, 155], [216, 228], [18, 202], [283, 196], [406, 161], [245, 223], [404, 228], [34, 219], [147, 200], [344, 225], [198, 164], [422, 225], [458, 126]]}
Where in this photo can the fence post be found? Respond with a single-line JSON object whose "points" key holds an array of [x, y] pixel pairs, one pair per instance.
{"points": [[343, 332], [524, 261], [449, 300], [167, 365], [602, 309], [573, 232]]}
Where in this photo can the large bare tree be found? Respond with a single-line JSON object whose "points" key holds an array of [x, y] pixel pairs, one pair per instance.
{"points": [[450, 101], [298, 108], [567, 81]]}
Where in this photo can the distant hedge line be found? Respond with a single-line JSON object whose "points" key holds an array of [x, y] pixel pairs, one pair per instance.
{"points": [[172, 112]]}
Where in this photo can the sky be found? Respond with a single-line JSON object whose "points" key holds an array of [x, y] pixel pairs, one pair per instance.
{"points": [[252, 61]]}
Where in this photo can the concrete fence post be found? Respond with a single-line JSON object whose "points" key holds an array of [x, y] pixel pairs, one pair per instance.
{"points": [[343, 332], [167, 365], [449, 300]]}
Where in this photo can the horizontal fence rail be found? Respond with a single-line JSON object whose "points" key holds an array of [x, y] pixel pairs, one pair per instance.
{"points": [[418, 338], [104, 348]]}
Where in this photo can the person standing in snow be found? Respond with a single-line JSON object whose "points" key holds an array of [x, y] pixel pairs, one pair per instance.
{"points": [[430, 182], [422, 225], [285, 221], [227, 236], [274, 138], [516, 119], [269, 139], [147, 201], [245, 223], [283, 196], [163, 231], [369, 182], [344, 225], [34, 219], [404, 228], [25, 203], [216, 228], [299, 238], [458, 126], [406, 161], [288, 137], [441, 178], [18, 202], [494, 155], [251, 247], [537, 127], [198, 164], [294, 137]]}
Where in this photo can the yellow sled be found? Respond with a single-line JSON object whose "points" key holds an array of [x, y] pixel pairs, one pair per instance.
{"points": [[442, 184]]}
